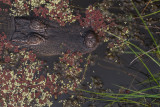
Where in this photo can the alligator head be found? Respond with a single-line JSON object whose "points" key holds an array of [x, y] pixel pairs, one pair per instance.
{"points": [[47, 38]]}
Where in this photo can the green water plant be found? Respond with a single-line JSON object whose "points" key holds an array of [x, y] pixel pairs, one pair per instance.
{"points": [[128, 96]]}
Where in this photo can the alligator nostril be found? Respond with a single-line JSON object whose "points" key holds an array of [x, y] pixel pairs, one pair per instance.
{"points": [[30, 39], [35, 39], [19, 42]]}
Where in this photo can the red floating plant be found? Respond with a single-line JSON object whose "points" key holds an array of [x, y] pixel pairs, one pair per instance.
{"points": [[7, 59], [94, 19]]}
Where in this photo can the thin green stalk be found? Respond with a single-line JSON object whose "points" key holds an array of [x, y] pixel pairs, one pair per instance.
{"points": [[127, 42], [145, 25], [154, 1], [151, 14], [135, 94], [149, 80], [129, 52], [145, 66], [110, 95], [140, 91], [144, 53], [125, 97], [86, 66], [126, 100]]}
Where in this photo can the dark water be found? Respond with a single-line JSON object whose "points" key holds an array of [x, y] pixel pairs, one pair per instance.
{"points": [[110, 73]]}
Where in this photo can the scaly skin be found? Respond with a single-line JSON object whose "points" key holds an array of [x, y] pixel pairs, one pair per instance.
{"points": [[47, 38]]}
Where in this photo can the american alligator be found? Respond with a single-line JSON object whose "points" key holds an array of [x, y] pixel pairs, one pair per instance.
{"points": [[48, 38]]}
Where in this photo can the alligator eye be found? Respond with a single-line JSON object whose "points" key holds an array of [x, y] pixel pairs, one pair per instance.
{"points": [[90, 40], [37, 25], [28, 40], [35, 39]]}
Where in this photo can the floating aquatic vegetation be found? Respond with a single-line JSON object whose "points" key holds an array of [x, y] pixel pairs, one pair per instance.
{"points": [[70, 67], [94, 19], [58, 10], [71, 62], [19, 84], [26, 81]]}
